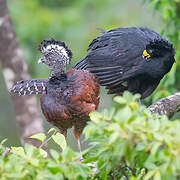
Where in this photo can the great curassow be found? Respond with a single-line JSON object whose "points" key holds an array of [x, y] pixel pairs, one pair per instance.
{"points": [[67, 97], [133, 59]]}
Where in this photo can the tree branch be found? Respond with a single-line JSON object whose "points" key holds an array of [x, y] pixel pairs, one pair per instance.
{"points": [[168, 106]]}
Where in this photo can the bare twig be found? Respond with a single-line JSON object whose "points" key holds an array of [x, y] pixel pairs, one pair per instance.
{"points": [[168, 106]]}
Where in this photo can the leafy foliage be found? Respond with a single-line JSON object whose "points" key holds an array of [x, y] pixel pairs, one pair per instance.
{"points": [[32, 163], [128, 138], [126, 141]]}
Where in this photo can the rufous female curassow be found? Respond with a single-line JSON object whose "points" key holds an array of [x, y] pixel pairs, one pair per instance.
{"points": [[67, 98]]}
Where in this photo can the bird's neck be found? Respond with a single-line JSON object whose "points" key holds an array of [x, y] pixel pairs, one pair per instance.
{"points": [[59, 70], [56, 80]]}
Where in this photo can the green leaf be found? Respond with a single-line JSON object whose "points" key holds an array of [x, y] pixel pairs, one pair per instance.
{"points": [[39, 136], [108, 113], [54, 154], [89, 160], [128, 96], [136, 97], [140, 146], [43, 152], [60, 140], [96, 116], [51, 129], [123, 114], [120, 99], [54, 169], [113, 137], [3, 141], [18, 151], [149, 175], [29, 149], [155, 148], [157, 176]]}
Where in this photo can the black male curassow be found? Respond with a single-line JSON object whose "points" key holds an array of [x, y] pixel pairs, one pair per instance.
{"points": [[67, 97], [133, 59]]}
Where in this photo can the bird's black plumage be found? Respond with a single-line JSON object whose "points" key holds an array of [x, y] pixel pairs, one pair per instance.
{"points": [[136, 55]]}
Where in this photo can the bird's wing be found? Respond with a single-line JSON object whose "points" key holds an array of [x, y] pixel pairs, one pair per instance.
{"points": [[149, 33], [116, 55], [28, 87]]}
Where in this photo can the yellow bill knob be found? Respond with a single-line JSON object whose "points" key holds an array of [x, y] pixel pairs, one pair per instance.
{"points": [[146, 54]]}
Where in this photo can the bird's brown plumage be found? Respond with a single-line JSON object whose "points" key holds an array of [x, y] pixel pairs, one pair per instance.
{"points": [[67, 97], [69, 103]]}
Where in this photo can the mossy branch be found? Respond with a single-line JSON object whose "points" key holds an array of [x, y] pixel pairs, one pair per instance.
{"points": [[168, 106]]}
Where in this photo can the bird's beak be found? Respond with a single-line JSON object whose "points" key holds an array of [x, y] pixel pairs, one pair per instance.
{"points": [[41, 60]]}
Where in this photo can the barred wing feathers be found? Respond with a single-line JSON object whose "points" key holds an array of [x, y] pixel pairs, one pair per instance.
{"points": [[29, 87]]}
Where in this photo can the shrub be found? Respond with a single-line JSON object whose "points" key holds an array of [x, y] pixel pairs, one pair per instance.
{"points": [[126, 142]]}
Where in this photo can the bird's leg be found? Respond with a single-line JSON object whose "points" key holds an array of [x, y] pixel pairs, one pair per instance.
{"points": [[79, 144], [79, 149], [77, 134]]}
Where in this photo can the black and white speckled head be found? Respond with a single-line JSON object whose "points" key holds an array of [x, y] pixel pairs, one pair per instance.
{"points": [[56, 53]]}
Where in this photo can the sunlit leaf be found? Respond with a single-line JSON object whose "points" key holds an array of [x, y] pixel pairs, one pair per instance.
{"points": [[39, 136], [3, 141], [120, 100], [18, 151], [89, 160], [43, 152], [54, 154], [96, 116], [149, 175], [29, 149], [60, 140], [157, 176], [51, 130]]}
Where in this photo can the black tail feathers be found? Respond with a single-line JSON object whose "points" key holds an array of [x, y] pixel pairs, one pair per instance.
{"points": [[28, 87], [81, 65]]}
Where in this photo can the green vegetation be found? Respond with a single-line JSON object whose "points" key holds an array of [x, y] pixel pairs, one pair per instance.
{"points": [[126, 141], [129, 141]]}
